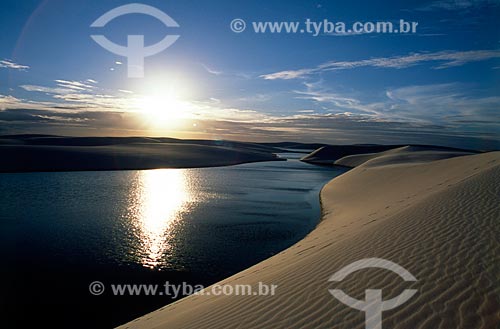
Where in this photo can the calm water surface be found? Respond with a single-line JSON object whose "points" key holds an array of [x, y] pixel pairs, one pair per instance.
{"points": [[68, 229]]}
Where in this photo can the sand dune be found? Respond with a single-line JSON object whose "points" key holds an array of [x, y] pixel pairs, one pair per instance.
{"points": [[437, 219], [402, 154], [329, 153], [26, 153], [354, 155]]}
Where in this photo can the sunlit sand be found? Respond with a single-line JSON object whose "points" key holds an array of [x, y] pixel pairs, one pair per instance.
{"points": [[435, 216]]}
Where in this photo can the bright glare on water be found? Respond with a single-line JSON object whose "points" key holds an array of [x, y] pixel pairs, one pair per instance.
{"points": [[157, 198]]}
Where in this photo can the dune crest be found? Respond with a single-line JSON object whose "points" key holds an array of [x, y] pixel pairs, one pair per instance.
{"points": [[402, 154], [437, 219]]}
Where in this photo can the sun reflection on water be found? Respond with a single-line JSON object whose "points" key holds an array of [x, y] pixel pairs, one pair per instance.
{"points": [[158, 200]]}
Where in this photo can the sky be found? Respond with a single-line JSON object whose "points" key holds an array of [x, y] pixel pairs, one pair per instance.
{"points": [[439, 85]]}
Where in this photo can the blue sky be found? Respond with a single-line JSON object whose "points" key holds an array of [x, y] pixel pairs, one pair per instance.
{"points": [[439, 85]]}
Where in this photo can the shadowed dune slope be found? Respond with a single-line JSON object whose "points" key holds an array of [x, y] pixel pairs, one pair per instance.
{"points": [[52, 153]]}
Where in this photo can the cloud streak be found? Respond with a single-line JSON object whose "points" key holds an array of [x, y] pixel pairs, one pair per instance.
{"points": [[8, 64], [210, 70], [63, 87], [449, 104], [75, 85], [446, 59]]}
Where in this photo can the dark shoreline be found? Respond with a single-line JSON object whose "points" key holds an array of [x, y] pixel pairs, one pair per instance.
{"points": [[55, 154]]}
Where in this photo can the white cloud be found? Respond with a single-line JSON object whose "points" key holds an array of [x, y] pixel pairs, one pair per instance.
{"points": [[445, 58], [11, 102], [210, 70], [71, 94], [63, 87], [8, 64], [6, 101], [430, 104], [75, 85], [443, 103], [43, 89], [334, 101]]}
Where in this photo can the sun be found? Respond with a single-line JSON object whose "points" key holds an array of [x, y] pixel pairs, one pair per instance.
{"points": [[161, 107], [165, 102], [163, 110]]}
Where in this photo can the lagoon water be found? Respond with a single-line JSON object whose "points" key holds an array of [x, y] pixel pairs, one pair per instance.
{"points": [[61, 231]]}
